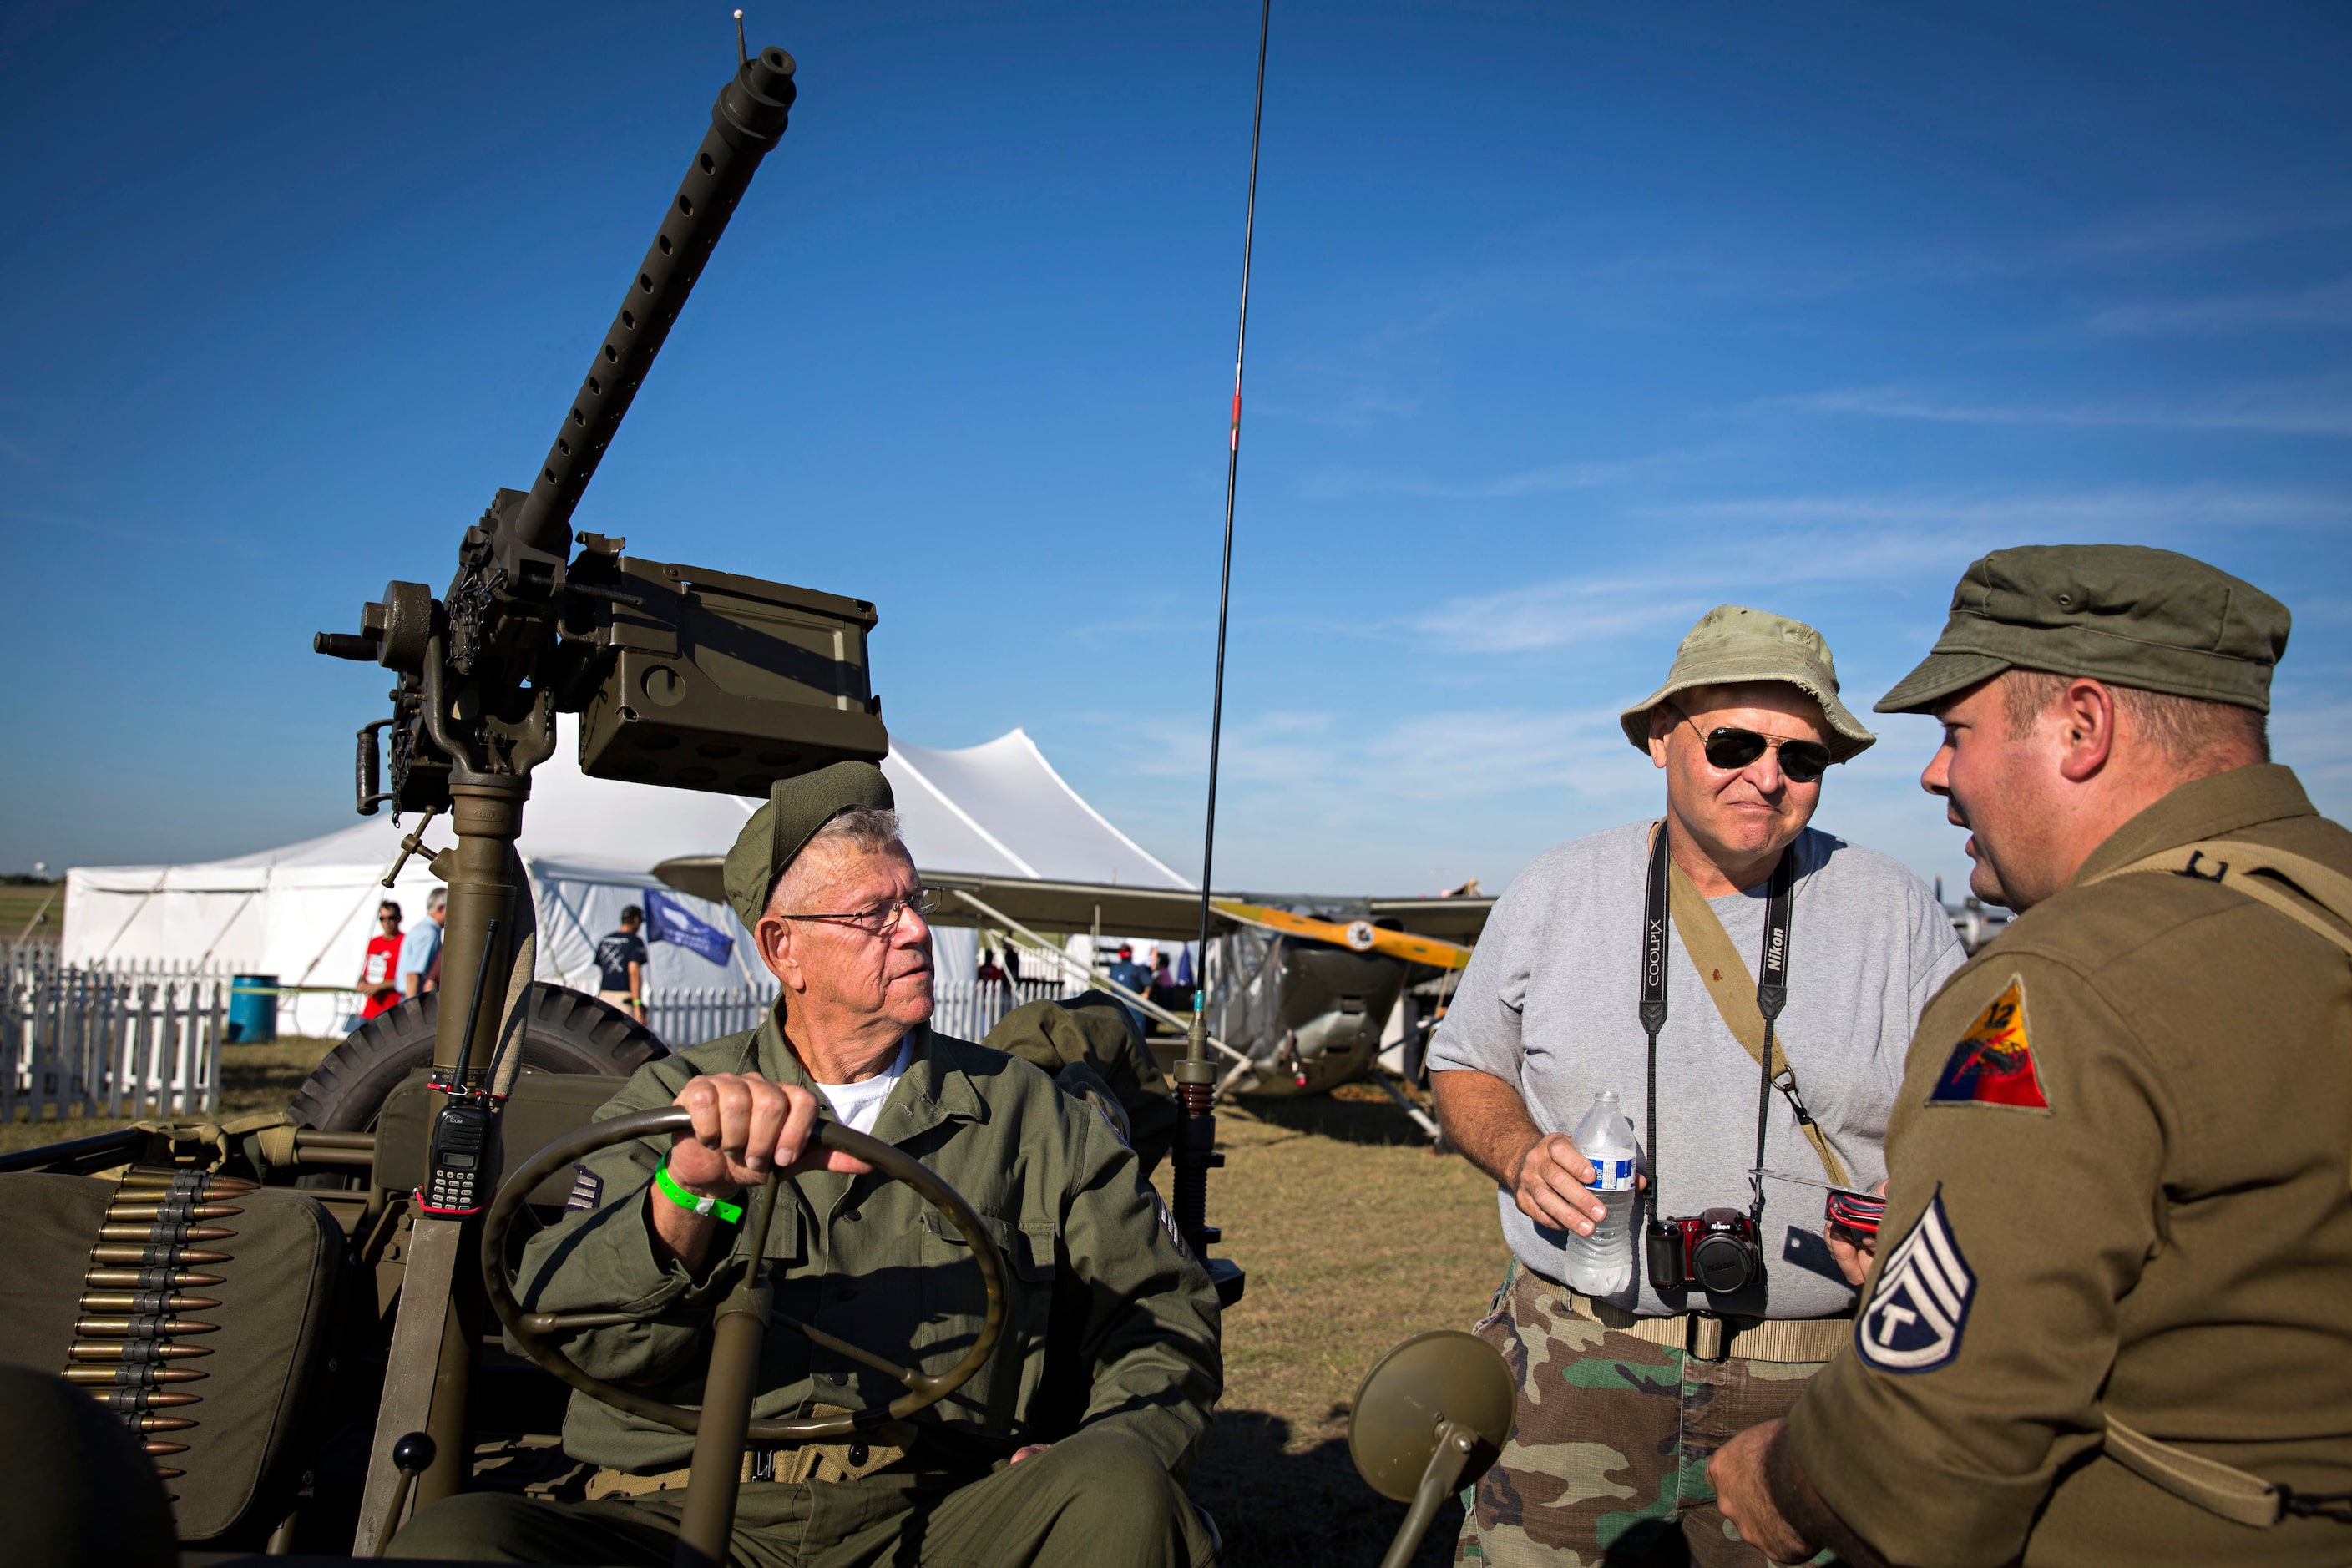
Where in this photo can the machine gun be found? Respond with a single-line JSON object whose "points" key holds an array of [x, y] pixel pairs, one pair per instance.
{"points": [[684, 677], [681, 676]]}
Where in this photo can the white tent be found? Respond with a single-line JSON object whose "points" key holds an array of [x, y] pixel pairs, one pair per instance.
{"points": [[303, 913]]}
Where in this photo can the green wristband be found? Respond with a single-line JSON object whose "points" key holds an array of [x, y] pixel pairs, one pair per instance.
{"points": [[728, 1212]]}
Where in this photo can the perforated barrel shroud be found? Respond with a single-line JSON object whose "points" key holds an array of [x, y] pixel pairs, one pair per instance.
{"points": [[191, 1306]]}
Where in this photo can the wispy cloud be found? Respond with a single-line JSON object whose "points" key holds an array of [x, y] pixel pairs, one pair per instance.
{"points": [[2325, 305], [2298, 410], [1851, 542], [2198, 505], [2188, 227], [1336, 769], [2317, 741], [1548, 478], [1556, 614], [1877, 537], [1352, 411]]}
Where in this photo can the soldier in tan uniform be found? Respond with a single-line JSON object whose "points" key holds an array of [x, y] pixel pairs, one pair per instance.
{"points": [[1066, 1449], [2109, 1319]]}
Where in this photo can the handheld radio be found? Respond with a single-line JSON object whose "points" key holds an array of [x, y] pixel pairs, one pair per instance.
{"points": [[461, 1160]]}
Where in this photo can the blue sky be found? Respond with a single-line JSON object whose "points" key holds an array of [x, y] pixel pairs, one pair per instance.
{"points": [[1569, 323]]}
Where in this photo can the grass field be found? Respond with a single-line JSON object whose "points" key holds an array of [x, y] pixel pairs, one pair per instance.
{"points": [[253, 1078], [20, 902], [1353, 1235]]}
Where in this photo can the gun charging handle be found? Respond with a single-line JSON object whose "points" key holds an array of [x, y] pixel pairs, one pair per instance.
{"points": [[362, 647], [368, 767]]}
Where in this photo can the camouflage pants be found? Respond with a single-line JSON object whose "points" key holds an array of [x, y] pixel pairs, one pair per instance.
{"points": [[1607, 1459]]}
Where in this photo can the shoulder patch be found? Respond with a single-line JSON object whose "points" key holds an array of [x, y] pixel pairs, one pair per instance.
{"points": [[1916, 1315], [1168, 1223], [1994, 1063], [587, 1189]]}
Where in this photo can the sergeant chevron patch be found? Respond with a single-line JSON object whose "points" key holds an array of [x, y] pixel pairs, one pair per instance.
{"points": [[1916, 1315], [587, 1189], [1994, 1063]]}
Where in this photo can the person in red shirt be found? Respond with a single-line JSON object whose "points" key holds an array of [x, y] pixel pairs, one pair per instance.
{"points": [[382, 963]]}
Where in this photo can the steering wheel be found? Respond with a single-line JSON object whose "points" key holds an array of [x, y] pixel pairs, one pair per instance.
{"points": [[923, 1390]]}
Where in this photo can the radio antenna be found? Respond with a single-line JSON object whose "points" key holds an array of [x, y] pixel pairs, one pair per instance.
{"points": [[1196, 1077], [1233, 475]]}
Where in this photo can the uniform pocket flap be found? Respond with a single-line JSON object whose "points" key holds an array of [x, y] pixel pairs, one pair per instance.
{"points": [[1028, 1248], [784, 1229]]}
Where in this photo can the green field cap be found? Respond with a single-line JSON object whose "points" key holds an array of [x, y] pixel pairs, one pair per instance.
{"points": [[796, 808], [1732, 644], [2122, 612]]}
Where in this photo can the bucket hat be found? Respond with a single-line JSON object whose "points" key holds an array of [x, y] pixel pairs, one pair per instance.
{"points": [[1731, 644]]}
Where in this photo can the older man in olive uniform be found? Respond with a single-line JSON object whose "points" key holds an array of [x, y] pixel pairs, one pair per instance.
{"points": [[2111, 1318], [1068, 1447]]}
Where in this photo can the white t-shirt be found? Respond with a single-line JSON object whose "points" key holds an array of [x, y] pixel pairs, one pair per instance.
{"points": [[1549, 1001], [857, 1105]]}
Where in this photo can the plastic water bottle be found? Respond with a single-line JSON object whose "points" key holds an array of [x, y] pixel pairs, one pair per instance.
{"points": [[1602, 1264]]}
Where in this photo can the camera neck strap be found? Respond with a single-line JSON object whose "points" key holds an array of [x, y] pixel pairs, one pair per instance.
{"points": [[1771, 990]]}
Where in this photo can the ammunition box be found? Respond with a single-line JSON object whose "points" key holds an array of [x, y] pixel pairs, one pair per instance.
{"points": [[728, 683]]}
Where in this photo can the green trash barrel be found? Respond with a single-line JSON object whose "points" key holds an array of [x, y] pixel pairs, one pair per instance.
{"points": [[252, 1008]]}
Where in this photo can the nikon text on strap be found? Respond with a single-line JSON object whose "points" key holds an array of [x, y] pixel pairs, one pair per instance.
{"points": [[1738, 999], [1771, 995]]}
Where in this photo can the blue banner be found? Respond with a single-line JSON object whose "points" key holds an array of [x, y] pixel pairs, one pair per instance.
{"points": [[666, 920]]}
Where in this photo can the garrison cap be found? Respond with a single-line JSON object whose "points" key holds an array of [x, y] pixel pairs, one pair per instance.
{"points": [[2122, 612], [1732, 644], [796, 808]]}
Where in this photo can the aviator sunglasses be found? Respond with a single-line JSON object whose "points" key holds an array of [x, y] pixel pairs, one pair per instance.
{"points": [[1803, 761]]}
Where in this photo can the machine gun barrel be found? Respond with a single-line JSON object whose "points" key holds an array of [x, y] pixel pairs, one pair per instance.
{"points": [[745, 122]]}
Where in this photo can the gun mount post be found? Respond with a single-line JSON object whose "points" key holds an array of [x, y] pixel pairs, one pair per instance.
{"points": [[483, 670]]}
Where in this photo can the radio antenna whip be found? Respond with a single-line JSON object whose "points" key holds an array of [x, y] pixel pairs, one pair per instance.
{"points": [[1196, 1075]]}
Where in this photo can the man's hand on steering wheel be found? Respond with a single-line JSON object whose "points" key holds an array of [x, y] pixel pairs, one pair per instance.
{"points": [[744, 1126]]}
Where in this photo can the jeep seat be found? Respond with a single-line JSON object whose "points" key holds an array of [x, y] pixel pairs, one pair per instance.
{"points": [[257, 1369]]}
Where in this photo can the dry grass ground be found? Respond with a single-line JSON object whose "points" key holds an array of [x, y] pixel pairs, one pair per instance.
{"points": [[32, 909], [1354, 1236]]}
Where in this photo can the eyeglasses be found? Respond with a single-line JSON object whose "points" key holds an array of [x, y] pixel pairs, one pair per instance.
{"points": [[1733, 749], [884, 918], [389, 915]]}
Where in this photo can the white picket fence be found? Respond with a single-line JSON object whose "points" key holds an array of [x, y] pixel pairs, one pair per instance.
{"points": [[969, 1010], [128, 1040], [688, 1017]]}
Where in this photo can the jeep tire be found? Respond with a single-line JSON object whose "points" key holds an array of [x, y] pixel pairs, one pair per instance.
{"points": [[564, 1031]]}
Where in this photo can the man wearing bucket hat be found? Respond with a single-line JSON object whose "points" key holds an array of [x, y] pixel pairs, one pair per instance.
{"points": [[2113, 1319], [1627, 1387], [1068, 1448]]}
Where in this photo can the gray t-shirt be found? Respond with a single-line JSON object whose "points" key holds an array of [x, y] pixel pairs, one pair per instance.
{"points": [[1548, 1003]]}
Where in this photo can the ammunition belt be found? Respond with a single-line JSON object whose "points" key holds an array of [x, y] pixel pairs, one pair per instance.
{"points": [[131, 1346]]}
